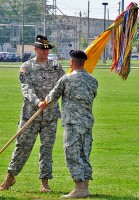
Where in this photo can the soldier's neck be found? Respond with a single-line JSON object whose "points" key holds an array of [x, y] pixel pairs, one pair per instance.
{"points": [[77, 67], [42, 60]]}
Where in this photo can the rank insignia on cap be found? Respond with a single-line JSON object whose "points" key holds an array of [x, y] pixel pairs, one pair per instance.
{"points": [[42, 42]]}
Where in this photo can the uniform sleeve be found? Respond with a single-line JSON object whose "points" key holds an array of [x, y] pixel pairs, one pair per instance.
{"points": [[56, 92], [61, 71], [95, 93], [27, 88]]}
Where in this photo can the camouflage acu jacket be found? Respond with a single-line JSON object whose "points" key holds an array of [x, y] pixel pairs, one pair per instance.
{"points": [[36, 82], [78, 90]]}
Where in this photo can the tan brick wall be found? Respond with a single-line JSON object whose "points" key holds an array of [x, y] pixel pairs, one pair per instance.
{"points": [[26, 48]]}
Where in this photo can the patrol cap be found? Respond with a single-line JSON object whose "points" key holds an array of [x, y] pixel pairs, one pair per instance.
{"points": [[42, 42], [78, 54]]}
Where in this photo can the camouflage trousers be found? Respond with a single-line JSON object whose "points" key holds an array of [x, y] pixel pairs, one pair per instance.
{"points": [[25, 143], [77, 147]]}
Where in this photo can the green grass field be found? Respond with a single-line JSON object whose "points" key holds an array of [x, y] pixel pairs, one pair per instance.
{"points": [[115, 153]]}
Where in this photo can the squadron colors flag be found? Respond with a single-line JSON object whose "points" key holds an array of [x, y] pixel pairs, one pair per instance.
{"points": [[122, 33]]}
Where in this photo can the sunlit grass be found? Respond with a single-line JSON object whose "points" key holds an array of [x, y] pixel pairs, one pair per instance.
{"points": [[115, 153]]}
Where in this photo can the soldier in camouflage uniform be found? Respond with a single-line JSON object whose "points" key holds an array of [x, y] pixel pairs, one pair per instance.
{"points": [[37, 76], [78, 90]]}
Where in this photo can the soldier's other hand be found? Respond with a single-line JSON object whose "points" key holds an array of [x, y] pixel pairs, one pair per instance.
{"points": [[42, 105]]}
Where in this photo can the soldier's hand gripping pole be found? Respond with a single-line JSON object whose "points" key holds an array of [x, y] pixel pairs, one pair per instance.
{"points": [[21, 130]]}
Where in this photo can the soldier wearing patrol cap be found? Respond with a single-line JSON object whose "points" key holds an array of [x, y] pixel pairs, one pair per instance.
{"points": [[37, 77]]}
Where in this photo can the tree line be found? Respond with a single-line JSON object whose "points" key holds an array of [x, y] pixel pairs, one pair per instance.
{"points": [[13, 13]]}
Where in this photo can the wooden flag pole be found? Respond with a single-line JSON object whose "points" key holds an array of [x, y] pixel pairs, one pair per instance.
{"points": [[21, 130]]}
